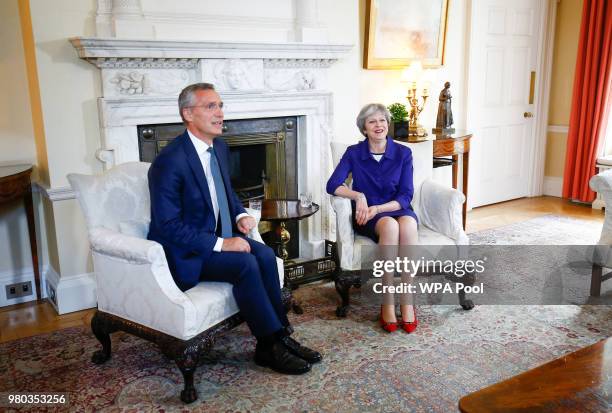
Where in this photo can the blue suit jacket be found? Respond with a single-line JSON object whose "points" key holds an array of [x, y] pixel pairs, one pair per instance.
{"points": [[182, 215]]}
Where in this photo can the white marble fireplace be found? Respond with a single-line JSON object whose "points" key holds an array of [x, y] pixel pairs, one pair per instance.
{"points": [[141, 80]]}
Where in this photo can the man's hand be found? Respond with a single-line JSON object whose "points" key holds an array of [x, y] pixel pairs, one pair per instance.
{"points": [[235, 244], [246, 224], [361, 210]]}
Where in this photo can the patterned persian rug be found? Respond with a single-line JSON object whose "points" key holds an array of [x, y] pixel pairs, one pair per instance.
{"points": [[452, 353]]}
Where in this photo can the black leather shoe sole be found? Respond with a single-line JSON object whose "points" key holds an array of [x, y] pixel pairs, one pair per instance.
{"points": [[283, 368]]}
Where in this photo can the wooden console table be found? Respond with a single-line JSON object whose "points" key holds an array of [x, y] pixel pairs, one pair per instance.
{"points": [[453, 145], [580, 381], [15, 184]]}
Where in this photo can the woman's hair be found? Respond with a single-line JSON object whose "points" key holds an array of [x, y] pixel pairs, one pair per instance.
{"points": [[369, 110]]}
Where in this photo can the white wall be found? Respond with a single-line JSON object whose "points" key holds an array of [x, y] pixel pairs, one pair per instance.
{"points": [[16, 139]]}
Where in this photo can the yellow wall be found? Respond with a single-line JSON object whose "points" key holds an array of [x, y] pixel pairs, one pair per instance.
{"points": [[567, 31]]}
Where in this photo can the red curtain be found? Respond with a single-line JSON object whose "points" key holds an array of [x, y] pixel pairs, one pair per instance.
{"points": [[590, 100]]}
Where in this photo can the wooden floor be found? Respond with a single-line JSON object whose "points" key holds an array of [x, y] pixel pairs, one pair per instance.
{"points": [[24, 320]]}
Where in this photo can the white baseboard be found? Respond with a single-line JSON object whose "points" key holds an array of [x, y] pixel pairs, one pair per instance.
{"points": [[553, 186], [71, 293]]}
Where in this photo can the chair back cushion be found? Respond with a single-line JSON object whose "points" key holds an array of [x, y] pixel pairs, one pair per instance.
{"points": [[118, 199]]}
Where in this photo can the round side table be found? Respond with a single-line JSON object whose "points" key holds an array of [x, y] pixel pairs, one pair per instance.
{"points": [[281, 211]]}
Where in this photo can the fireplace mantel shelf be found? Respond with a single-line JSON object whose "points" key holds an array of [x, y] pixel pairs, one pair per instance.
{"points": [[97, 50]]}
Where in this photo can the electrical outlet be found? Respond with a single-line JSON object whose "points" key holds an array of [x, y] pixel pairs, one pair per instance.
{"points": [[18, 290]]}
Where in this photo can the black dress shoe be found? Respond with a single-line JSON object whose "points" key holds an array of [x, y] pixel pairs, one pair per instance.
{"points": [[278, 358], [300, 351]]}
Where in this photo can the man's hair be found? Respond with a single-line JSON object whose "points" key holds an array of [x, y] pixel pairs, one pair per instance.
{"points": [[185, 98]]}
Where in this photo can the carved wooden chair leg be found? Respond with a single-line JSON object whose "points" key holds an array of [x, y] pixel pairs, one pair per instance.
{"points": [[187, 363], [342, 287], [343, 283], [596, 280], [101, 329], [468, 279]]}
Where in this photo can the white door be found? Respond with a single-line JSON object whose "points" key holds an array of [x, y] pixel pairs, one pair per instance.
{"points": [[504, 48]]}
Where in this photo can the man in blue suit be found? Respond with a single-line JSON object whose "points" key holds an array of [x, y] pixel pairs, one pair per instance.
{"points": [[198, 219]]}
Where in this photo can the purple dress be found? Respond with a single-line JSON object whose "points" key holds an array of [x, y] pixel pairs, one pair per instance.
{"points": [[389, 179]]}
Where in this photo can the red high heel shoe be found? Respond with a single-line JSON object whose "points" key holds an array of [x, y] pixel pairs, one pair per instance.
{"points": [[410, 326], [387, 326]]}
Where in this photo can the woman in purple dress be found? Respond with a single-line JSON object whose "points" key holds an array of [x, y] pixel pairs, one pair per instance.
{"points": [[381, 193]]}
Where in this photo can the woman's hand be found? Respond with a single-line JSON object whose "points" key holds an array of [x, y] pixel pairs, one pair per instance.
{"points": [[372, 212], [361, 210]]}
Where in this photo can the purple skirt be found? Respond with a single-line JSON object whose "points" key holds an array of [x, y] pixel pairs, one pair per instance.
{"points": [[368, 230]]}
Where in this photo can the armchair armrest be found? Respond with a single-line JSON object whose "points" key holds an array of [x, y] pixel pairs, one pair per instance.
{"points": [[345, 236], [147, 293], [440, 209], [602, 182], [129, 248]]}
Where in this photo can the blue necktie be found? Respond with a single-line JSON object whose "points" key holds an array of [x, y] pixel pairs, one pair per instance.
{"points": [[224, 216]]}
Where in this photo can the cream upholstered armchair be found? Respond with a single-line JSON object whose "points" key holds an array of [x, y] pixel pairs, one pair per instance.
{"points": [[602, 184], [437, 206], [136, 292]]}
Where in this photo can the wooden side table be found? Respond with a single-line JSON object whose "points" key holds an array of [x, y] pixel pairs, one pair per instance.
{"points": [[455, 144], [281, 211], [15, 184]]}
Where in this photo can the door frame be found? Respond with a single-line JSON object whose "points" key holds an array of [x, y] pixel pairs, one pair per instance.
{"points": [[546, 40]]}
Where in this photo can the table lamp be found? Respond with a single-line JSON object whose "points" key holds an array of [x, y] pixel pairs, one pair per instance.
{"points": [[412, 76]]}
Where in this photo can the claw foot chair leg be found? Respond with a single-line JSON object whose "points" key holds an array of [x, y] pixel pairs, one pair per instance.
{"points": [[342, 287], [343, 283], [101, 329], [188, 364]]}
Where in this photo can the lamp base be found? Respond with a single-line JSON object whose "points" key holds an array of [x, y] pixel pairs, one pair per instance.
{"points": [[418, 130]]}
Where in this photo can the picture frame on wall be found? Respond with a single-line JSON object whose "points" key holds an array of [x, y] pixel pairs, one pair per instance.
{"points": [[398, 32]]}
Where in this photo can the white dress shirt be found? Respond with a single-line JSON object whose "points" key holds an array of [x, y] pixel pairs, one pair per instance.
{"points": [[202, 150]]}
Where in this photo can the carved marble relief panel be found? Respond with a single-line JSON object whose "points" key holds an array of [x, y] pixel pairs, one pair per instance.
{"points": [[233, 75], [145, 82]]}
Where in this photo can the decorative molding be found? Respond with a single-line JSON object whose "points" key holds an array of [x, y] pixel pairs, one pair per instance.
{"points": [[149, 51], [136, 82], [142, 63], [557, 128], [553, 186], [55, 194], [300, 80], [234, 74], [298, 63], [131, 83]]}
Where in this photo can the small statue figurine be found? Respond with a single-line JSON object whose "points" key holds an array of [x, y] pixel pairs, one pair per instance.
{"points": [[444, 120]]}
